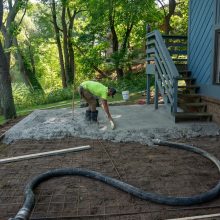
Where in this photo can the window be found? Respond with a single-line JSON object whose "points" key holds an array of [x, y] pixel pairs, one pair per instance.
{"points": [[217, 58]]}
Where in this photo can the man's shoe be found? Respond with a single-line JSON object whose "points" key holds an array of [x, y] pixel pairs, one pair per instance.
{"points": [[88, 115], [94, 116]]}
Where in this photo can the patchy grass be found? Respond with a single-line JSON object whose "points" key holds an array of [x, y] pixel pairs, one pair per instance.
{"points": [[2, 120], [24, 112], [133, 98]]}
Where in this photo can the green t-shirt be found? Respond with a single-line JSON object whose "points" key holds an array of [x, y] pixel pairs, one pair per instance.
{"points": [[96, 89]]}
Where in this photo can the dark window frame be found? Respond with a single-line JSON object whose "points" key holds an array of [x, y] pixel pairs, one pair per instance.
{"points": [[216, 69]]}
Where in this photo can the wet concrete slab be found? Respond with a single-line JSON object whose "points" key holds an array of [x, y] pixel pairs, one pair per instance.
{"points": [[136, 123]]}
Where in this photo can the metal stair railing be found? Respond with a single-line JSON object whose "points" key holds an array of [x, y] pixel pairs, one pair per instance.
{"points": [[160, 63]]}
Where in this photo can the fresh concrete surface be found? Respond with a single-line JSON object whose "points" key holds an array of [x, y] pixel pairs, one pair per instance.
{"points": [[136, 123]]}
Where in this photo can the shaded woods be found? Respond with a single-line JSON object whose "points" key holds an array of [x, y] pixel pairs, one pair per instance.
{"points": [[49, 47]]}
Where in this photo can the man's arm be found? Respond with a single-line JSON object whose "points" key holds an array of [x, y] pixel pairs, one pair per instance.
{"points": [[106, 109]]}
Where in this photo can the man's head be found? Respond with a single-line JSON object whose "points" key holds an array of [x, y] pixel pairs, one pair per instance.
{"points": [[111, 91]]}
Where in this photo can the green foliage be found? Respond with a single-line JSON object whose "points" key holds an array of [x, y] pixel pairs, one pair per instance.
{"points": [[91, 40], [95, 38], [24, 98], [180, 20], [133, 82], [59, 95]]}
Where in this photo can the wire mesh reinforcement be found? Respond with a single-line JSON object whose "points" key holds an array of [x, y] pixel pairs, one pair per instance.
{"points": [[28, 205]]}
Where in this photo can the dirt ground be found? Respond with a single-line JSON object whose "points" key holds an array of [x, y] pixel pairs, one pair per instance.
{"points": [[154, 169]]}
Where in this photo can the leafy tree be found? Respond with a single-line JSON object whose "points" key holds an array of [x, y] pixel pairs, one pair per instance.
{"points": [[64, 14], [40, 47], [175, 15], [180, 18], [8, 29], [113, 21]]}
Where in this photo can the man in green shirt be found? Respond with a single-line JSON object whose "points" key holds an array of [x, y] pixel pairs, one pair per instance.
{"points": [[90, 90]]}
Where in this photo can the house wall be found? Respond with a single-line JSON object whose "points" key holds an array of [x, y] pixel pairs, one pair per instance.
{"points": [[203, 20]]}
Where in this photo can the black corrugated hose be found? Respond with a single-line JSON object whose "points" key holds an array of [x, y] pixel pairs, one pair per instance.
{"points": [[29, 202]]}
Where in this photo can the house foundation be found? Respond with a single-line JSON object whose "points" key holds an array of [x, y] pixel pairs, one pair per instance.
{"points": [[213, 107]]}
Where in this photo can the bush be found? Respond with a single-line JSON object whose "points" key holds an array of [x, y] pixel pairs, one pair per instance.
{"points": [[24, 98], [133, 82], [59, 95]]}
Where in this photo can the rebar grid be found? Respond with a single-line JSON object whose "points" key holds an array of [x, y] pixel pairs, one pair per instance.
{"points": [[81, 198]]}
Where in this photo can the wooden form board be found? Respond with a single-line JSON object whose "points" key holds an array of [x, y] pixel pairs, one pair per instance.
{"points": [[211, 216], [43, 154]]}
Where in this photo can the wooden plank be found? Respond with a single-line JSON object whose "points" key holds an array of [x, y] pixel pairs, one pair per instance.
{"points": [[150, 42], [44, 154], [179, 52], [189, 87], [165, 67], [167, 86], [170, 44], [150, 59], [161, 45], [199, 104], [151, 50], [150, 69], [174, 37], [197, 217], [180, 60]]}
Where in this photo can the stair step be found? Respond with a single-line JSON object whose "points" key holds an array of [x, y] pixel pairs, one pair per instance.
{"points": [[199, 104], [188, 116], [173, 44], [188, 87], [181, 67], [192, 107], [178, 52], [185, 73], [190, 95], [186, 78], [188, 98], [185, 92], [179, 60]]}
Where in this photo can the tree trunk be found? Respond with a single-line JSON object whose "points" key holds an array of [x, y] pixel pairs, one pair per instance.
{"points": [[72, 60], [70, 45], [65, 46], [166, 24], [1, 109], [115, 44], [125, 40], [59, 47], [7, 101], [5, 87]]}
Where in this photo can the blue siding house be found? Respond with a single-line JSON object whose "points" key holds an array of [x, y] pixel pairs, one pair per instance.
{"points": [[203, 45], [204, 50], [186, 69]]}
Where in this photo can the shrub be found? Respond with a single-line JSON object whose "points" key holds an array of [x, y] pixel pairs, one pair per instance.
{"points": [[24, 98], [133, 82]]}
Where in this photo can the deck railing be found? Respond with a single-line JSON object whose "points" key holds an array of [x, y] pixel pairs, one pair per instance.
{"points": [[161, 64]]}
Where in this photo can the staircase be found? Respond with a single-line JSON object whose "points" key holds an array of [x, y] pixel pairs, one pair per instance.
{"points": [[167, 62], [189, 101]]}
